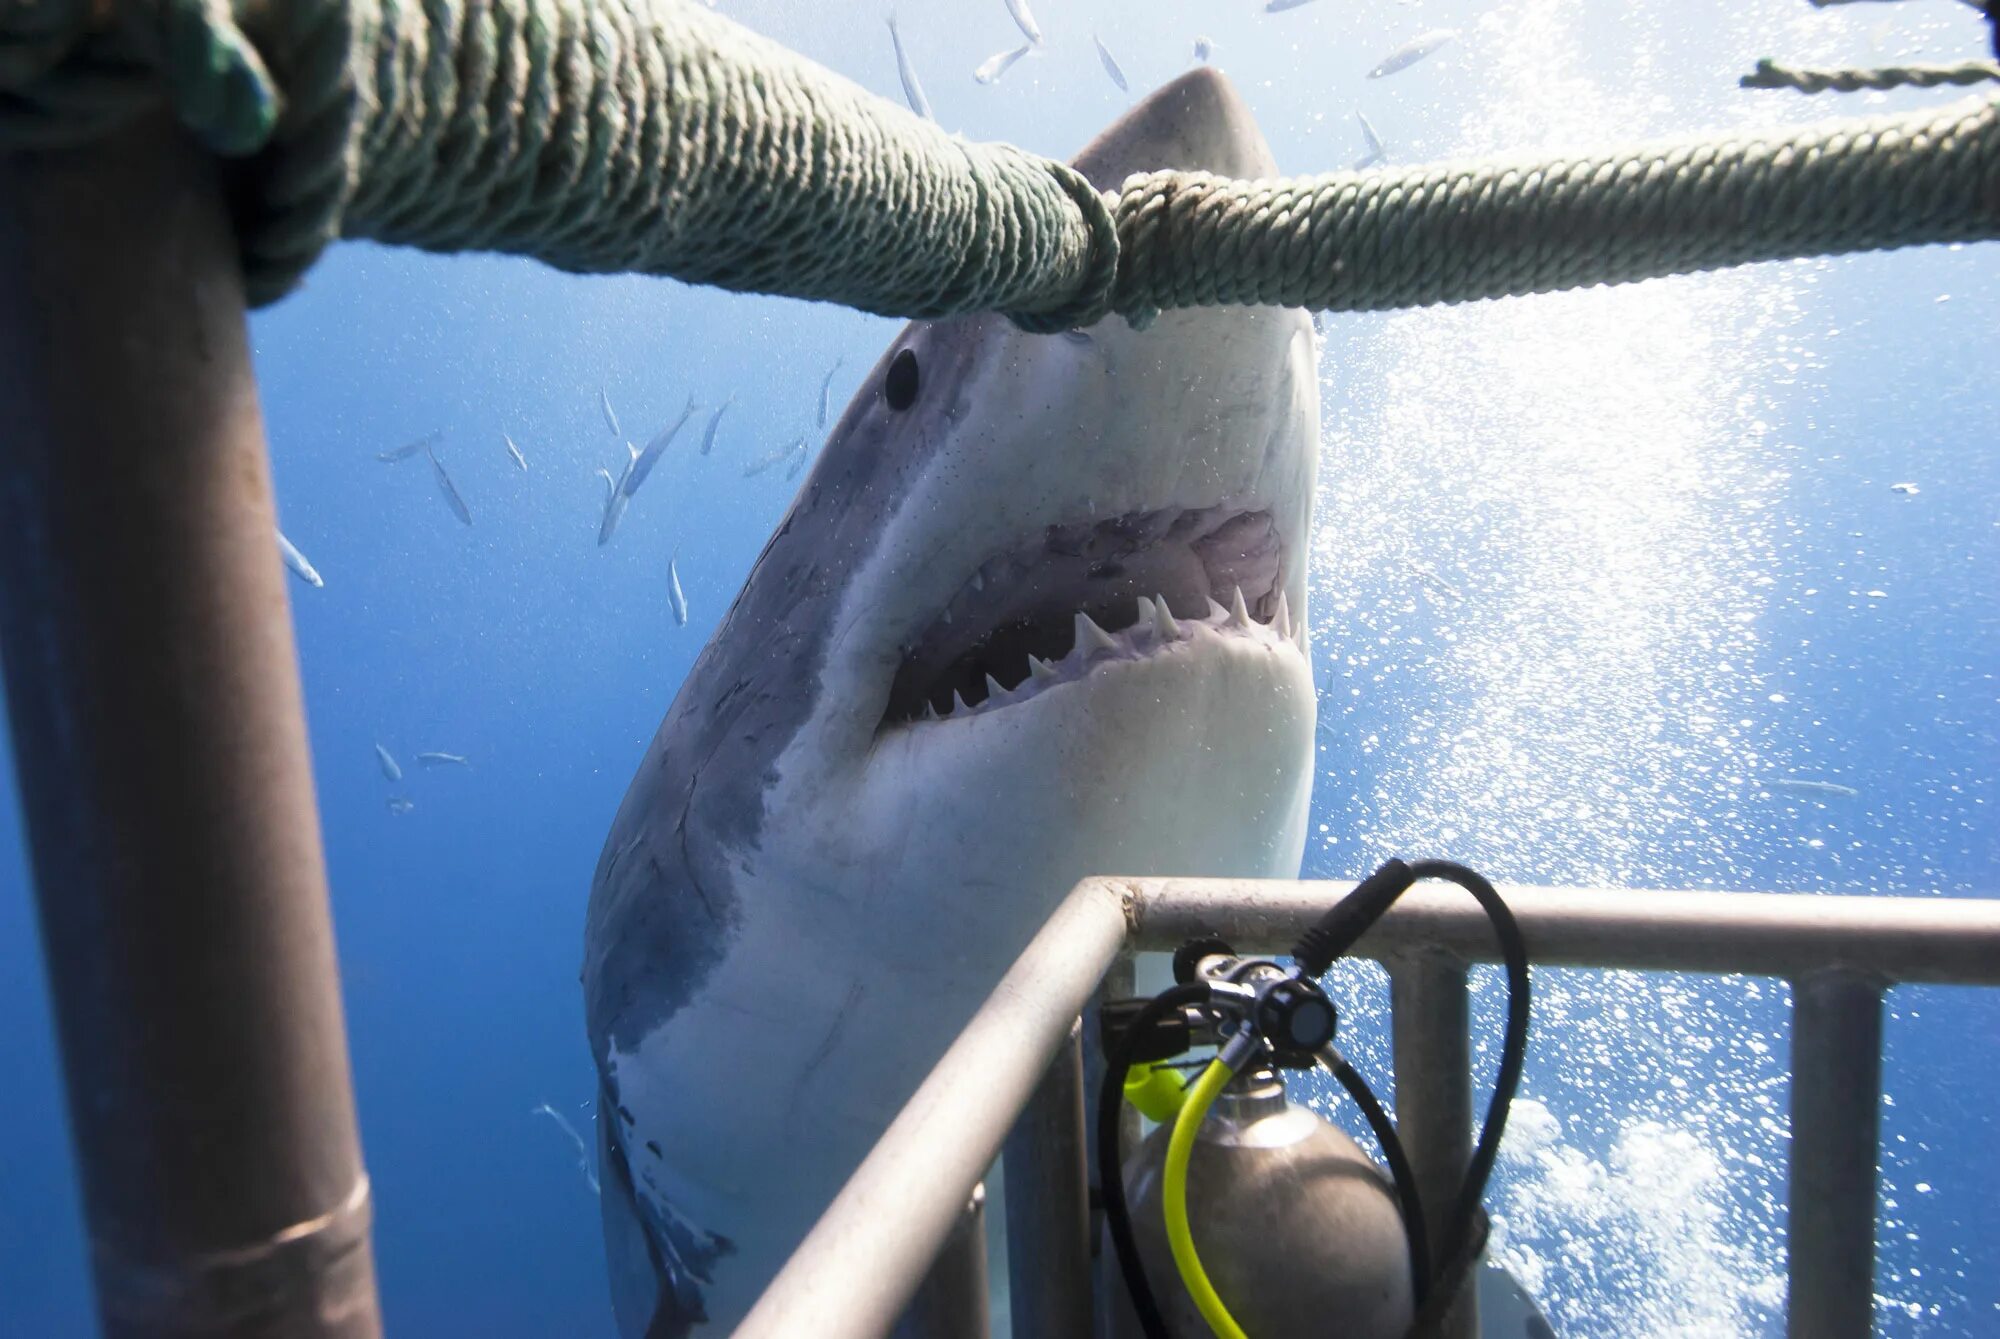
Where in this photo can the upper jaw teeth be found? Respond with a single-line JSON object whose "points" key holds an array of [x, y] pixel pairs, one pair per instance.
{"points": [[1154, 627]]}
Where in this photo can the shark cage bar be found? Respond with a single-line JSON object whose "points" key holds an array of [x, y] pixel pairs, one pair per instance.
{"points": [[154, 695], [1015, 1068]]}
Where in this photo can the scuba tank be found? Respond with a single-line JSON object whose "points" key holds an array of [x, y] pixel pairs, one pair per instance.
{"points": [[1295, 1222], [1246, 1215]]}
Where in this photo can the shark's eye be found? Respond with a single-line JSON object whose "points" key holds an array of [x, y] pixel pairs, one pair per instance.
{"points": [[899, 387]]}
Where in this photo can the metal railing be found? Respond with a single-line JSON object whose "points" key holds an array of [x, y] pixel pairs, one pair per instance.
{"points": [[1016, 1070]]}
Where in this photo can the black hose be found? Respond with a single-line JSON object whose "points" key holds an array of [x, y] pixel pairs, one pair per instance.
{"points": [[1513, 1046], [1414, 1233], [1110, 1165]]}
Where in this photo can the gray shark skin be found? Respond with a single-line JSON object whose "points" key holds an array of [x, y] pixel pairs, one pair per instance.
{"points": [[947, 692]]}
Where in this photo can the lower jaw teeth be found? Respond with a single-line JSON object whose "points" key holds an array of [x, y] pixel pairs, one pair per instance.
{"points": [[1155, 627]]}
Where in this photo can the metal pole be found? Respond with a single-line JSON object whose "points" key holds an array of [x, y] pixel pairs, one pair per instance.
{"points": [[951, 1302], [1431, 1035], [863, 1260], [1048, 1207], [1836, 1095], [1932, 939], [154, 696]]}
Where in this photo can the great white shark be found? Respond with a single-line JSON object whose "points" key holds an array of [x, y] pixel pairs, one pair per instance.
{"points": [[1038, 612]]}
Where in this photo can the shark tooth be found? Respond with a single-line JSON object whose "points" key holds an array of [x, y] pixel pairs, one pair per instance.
{"points": [[1281, 622], [957, 703], [1216, 611], [1239, 612], [1041, 670], [994, 692], [947, 615], [1163, 620], [1091, 639], [978, 581], [1145, 618], [930, 712]]}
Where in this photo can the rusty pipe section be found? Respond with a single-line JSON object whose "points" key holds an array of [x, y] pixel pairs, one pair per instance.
{"points": [[160, 741]]}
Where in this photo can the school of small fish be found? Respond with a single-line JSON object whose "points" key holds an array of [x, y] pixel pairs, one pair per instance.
{"points": [[392, 771], [994, 67], [619, 490]]}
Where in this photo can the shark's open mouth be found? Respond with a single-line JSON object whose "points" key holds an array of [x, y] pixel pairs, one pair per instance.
{"points": [[1124, 587]]}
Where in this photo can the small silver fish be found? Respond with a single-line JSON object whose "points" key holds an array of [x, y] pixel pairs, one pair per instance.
{"points": [[610, 419], [1025, 21], [913, 92], [1203, 49], [618, 493], [582, 1154], [714, 422], [799, 459], [515, 452], [997, 65], [1376, 153], [826, 390], [444, 760], [1110, 65], [1436, 582], [451, 496], [388, 764], [295, 560], [408, 449], [614, 501], [400, 804], [1803, 786], [1403, 57], [643, 463], [1907, 490], [757, 467], [676, 598]]}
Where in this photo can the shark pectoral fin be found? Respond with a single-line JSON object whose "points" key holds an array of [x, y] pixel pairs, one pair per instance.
{"points": [[643, 1297]]}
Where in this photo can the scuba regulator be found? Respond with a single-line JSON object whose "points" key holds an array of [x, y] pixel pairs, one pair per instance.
{"points": [[1280, 1184]]}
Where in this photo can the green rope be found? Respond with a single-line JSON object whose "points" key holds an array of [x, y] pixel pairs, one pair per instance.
{"points": [[628, 135], [1456, 233], [1770, 74]]}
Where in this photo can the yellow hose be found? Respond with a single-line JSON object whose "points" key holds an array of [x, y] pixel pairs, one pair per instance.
{"points": [[1179, 1148]]}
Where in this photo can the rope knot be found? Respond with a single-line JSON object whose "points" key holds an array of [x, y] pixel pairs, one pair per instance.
{"points": [[1090, 301]]}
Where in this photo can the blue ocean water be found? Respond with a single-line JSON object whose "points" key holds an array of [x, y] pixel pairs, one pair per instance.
{"points": [[1590, 570]]}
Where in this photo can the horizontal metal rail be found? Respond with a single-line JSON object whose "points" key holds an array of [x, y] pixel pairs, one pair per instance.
{"points": [[1920, 940], [865, 1259]]}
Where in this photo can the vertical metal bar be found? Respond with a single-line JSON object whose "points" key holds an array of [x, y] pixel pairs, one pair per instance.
{"points": [[1431, 1026], [154, 696], [1048, 1207], [1836, 1097], [951, 1302]]}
